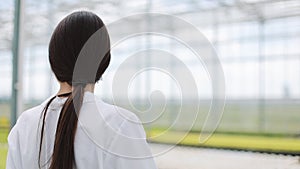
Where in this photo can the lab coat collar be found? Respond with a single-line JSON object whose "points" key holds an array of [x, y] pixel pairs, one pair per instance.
{"points": [[58, 102]]}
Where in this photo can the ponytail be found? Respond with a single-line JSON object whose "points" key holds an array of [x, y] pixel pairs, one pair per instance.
{"points": [[63, 152]]}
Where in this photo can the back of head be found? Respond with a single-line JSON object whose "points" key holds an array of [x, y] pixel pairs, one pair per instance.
{"points": [[67, 41]]}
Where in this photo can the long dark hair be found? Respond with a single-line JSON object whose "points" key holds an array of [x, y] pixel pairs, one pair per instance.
{"points": [[66, 43]]}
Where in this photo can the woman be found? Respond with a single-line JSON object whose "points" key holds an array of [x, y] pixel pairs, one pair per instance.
{"points": [[73, 129]]}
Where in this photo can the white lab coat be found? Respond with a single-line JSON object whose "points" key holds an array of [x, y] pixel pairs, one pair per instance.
{"points": [[107, 137]]}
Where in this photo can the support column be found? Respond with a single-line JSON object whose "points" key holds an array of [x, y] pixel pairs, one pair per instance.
{"points": [[16, 93]]}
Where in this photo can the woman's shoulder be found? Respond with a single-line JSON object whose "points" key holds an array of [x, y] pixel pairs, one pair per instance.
{"points": [[26, 126], [102, 122], [30, 115], [29, 119], [110, 113]]}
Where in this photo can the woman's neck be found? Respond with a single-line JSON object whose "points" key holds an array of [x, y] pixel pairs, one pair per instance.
{"points": [[66, 88]]}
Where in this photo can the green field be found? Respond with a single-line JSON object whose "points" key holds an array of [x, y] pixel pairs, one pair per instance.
{"points": [[3, 147], [3, 152], [273, 143]]}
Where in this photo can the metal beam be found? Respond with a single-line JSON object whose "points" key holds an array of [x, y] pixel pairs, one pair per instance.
{"points": [[16, 62]]}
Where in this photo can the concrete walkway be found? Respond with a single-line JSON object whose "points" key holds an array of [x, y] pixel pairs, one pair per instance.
{"points": [[199, 158]]}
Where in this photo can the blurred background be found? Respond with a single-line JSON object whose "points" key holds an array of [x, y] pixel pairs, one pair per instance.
{"points": [[257, 42]]}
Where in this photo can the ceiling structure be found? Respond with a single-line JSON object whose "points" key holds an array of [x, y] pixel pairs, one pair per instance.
{"points": [[41, 16]]}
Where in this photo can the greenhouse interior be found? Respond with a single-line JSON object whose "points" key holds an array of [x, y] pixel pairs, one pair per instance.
{"points": [[256, 43]]}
